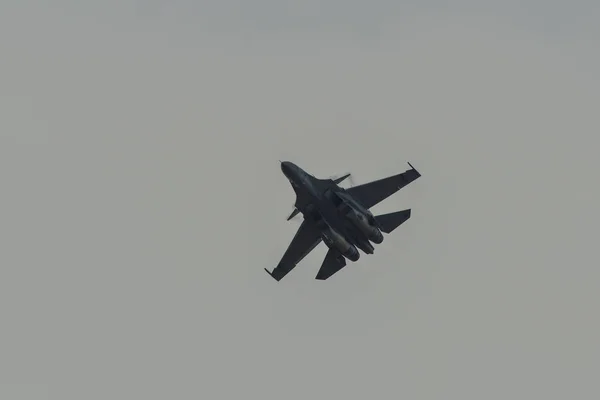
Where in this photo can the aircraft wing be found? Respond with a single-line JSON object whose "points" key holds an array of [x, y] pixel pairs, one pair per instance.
{"points": [[306, 239], [369, 194]]}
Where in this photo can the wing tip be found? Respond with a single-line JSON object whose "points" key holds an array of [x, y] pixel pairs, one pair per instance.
{"points": [[322, 276], [414, 169], [272, 276]]}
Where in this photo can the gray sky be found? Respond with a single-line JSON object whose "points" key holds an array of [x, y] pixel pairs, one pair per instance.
{"points": [[142, 198]]}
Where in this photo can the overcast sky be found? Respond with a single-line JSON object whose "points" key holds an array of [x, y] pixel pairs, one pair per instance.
{"points": [[142, 198]]}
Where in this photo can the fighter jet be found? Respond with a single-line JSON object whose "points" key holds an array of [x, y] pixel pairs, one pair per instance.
{"points": [[339, 217]]}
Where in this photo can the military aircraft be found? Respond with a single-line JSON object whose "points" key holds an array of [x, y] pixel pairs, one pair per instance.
{"points": [[339, 217]]}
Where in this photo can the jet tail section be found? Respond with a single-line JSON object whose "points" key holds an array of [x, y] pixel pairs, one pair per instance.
{"points": [[332, 263], [388, 222]]}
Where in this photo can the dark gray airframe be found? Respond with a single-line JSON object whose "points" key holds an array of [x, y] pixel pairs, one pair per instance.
{"points": [[339, 217]]}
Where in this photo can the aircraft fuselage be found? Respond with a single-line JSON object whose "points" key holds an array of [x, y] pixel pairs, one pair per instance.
{"points": [[344, 223]]}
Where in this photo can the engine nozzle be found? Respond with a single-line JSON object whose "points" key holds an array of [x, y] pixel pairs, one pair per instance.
{"points": [[334, 240]]}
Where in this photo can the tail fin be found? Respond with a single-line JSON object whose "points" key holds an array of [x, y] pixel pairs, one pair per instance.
{"points": [[388, 222]]}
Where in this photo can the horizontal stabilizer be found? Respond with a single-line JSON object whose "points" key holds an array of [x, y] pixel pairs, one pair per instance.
{"points": [[389, 222], [333, 262]]}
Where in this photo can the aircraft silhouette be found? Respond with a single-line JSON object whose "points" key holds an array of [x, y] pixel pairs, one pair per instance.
{"points": [[339, 217]]}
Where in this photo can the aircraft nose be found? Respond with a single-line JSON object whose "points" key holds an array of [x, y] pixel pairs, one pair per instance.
{"points": [[286, 168]]}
